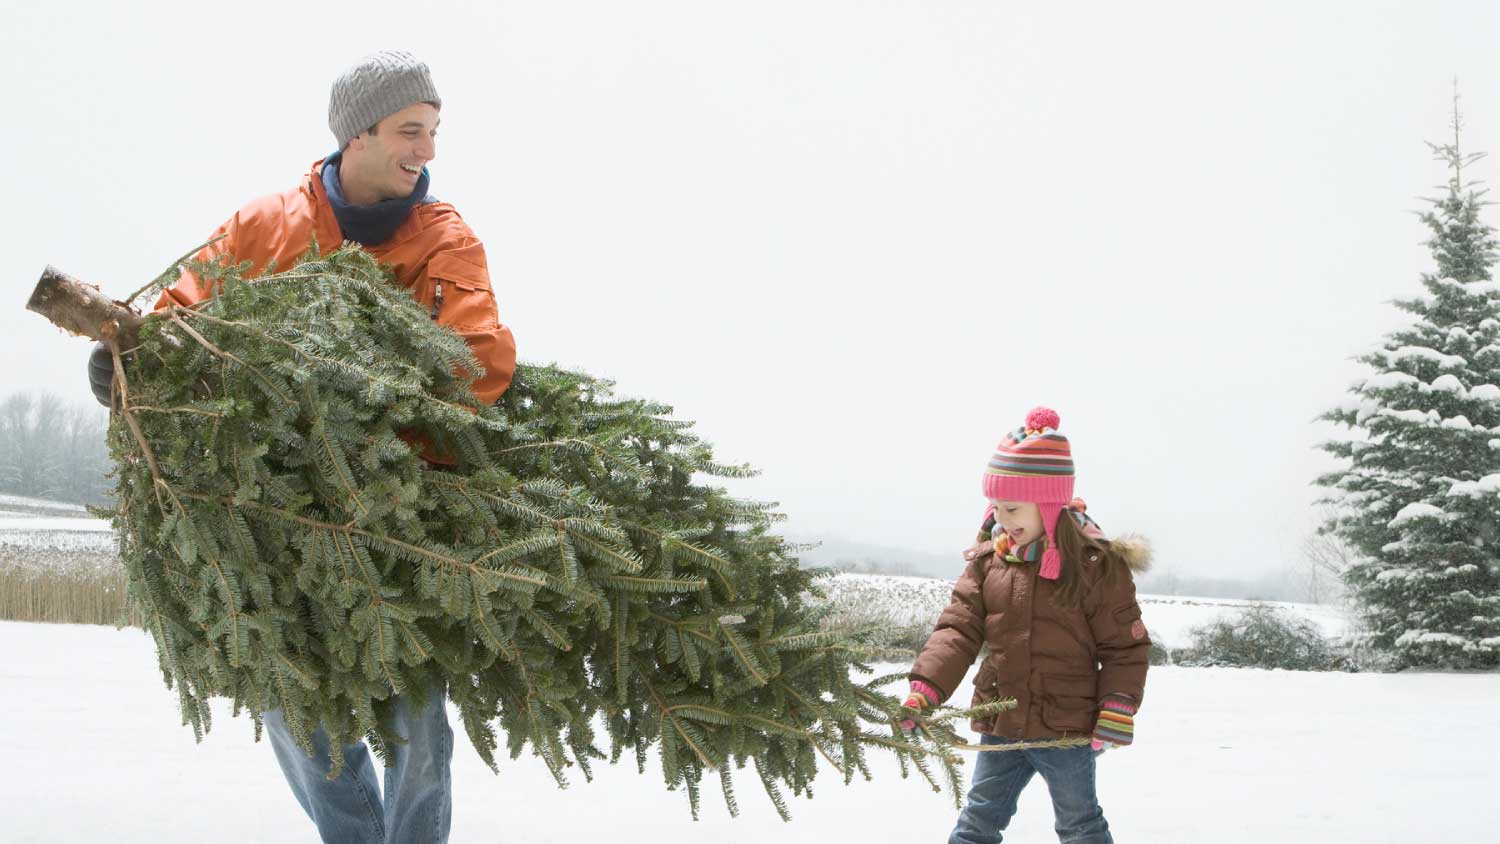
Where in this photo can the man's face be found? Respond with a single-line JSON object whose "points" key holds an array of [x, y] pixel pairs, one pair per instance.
{"points": [[387, 163]]}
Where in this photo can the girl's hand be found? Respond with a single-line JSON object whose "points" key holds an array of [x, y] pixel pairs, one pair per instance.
{"points": [[922, 698], [1116, 724]]}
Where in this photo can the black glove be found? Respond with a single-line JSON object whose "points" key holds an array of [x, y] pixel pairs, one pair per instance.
{"points": [[101, 373]]}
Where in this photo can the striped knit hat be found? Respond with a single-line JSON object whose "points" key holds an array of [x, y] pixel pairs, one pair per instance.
{"points": [[1035, 463]]}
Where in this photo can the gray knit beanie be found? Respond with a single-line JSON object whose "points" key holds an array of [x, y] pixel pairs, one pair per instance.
{"points": [[375, 87]]}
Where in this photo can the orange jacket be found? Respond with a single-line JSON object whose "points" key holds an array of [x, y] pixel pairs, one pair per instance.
{"points": [[434, 254]]}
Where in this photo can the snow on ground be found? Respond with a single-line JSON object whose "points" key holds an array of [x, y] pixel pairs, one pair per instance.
{"points": [[1170, 618], [32, 546], [40, 505], [35, 524], [11, 521], [34, 543], [94, 752]]}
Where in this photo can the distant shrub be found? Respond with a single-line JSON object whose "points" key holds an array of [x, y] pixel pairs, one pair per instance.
{"points": [[1160, 654], [888, 640], [1262, 637], [894, 615]]}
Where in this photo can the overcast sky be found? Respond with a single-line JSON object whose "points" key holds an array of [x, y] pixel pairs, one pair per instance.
{"points": [[856, 241]]}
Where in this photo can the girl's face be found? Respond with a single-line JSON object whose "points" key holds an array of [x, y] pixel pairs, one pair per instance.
{"points": [[1022, 520]]}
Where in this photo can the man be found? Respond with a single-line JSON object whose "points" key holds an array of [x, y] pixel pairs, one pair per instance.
{"points": [[384, 111]]}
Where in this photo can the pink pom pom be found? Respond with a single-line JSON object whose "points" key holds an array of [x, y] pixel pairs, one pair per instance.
{"points": [[1042, 417]]}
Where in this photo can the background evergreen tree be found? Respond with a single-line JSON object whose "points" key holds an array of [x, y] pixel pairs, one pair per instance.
{"points": [[1419, 496]]}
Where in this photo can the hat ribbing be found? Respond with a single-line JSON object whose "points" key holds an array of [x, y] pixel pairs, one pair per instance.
{"points": [[1032, 463]]}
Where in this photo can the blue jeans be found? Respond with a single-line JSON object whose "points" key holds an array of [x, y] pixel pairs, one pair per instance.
{"points": [[418, 803], [999, 777]]}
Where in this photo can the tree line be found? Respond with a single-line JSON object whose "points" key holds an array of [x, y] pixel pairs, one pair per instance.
{"points": [[53, 449]]}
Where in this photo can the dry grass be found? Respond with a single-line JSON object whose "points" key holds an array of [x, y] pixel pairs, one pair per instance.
{"points": [[72, 587]]}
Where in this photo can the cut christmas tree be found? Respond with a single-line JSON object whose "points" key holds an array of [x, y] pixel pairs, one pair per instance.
{"points": [[561, 568]]}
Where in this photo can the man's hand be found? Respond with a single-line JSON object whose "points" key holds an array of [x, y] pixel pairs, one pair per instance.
{"points": [[921, 698], [101, 373]]}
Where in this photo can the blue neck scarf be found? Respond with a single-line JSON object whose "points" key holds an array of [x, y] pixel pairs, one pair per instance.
{"points": [[369, 225]]}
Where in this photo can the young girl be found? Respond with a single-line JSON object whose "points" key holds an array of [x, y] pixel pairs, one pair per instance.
{"points": [[1055, 602]]}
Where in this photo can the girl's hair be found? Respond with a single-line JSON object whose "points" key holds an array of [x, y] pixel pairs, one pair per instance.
{"points": [[1078, 549]]}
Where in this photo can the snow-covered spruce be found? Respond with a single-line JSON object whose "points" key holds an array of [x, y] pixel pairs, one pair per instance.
{"points": [[1418, 495]]}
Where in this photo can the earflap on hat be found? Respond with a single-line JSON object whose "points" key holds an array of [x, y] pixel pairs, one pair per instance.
{"points": [[1051, 558]]}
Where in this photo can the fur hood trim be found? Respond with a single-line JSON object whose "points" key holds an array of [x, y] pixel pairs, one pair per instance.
{"points": [[1135, 550]]}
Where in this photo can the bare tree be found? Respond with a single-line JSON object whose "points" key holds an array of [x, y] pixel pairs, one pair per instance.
{"points": [[1324, 559], [24, 458], [85, 473], [49, 449]]}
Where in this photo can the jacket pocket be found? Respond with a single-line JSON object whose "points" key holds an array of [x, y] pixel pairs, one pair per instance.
{"points": [[461, 268], [461, 296], [1068, 702], [984, 683], [466, 284], [985, 690]]}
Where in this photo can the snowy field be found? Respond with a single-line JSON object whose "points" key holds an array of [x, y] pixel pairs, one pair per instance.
{"points": [[36, 524], [94, 753], [1170, 618]]}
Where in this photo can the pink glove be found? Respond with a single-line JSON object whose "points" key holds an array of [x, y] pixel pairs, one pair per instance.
{"points": [[921, 698]]}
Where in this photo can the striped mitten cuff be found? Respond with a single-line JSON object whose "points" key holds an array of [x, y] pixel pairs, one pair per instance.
{"points": [[1116, 725]]}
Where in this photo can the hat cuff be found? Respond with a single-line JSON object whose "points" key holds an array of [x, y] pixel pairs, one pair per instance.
{"points": [[1029, 488], [367, 111]]}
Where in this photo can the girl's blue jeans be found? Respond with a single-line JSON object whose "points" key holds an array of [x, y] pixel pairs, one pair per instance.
{"points": [[999, 777], [417, 806]]}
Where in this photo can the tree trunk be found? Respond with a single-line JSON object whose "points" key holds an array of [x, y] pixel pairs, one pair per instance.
{"points": [[82, 308]]}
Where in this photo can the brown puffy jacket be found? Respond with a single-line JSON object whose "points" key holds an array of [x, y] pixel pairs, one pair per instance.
{"points": [[1057, 662]]}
